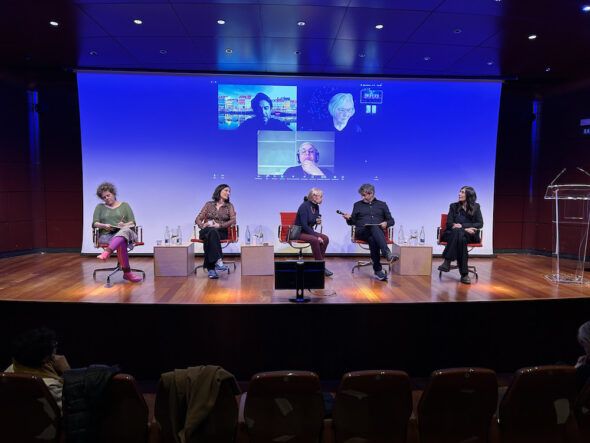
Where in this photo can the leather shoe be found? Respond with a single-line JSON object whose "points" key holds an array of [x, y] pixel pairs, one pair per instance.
{"points": [[130, 276], [390, 257], [328, 273], [465, 279], [445, 266]]}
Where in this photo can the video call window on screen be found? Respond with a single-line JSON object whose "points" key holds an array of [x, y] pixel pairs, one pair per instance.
{"points": [[253, 107], [301, 154]]}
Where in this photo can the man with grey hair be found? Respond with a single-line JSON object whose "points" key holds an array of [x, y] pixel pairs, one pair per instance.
{"points": [[583, 363], [371, 217]]}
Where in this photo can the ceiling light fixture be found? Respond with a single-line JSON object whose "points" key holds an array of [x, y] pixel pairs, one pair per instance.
{"points": [[221, 22], [93, 53], [457, 31], [229, 50], [427, 58], [54, 23], [301, 23], [163, 51], [362, 55], [548, 68], [532, 36], [490, 63], [137, 21], [378, 26], [586, 8]]}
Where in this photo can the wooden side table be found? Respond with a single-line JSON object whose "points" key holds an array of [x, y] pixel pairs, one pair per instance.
{"points": [[413, 260], [174, 260], [257, 259]]}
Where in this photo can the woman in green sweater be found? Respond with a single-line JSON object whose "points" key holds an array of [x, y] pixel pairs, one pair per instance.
{"points": [[114, 219]]}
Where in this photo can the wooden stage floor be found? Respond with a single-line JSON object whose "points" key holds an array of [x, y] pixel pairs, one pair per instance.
{"points": [[67, 277]]}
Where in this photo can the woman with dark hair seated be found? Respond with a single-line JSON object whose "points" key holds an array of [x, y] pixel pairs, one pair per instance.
{"points": [[34, 353], [463, 224], [216, 216], [308, 216], [114, 219]]}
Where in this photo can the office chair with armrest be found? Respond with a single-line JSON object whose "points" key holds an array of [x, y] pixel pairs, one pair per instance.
{"points": [[233, 234], [97, 244], [288, 220], [364, 245], [439, 233]]}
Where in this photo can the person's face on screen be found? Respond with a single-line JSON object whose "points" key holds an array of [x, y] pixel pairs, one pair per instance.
{"points": [[263, 110], [343, 112], [224, 194], [368, 196], [462, 195], [307, 152], [108, 198]]}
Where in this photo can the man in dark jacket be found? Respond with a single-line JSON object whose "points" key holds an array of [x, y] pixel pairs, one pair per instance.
{"points": [[371, 217]]}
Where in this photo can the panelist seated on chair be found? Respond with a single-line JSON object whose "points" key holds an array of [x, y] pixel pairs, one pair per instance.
{"points": [[115, 221], [214, 219], [371, 217], [463, 224], [308, 216]]}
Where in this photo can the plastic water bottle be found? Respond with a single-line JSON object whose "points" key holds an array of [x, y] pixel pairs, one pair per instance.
{"points": [[248, 238], [179, 237], [167, 236], [422, 236], [401, 238]]}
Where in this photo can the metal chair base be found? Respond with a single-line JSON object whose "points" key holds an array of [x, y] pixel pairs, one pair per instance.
{"points": [[113, 271], [362, 263], [227, 263], [470, 270]]}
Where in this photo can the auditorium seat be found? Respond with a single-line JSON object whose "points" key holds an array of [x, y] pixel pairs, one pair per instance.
{"points": [[284, 406], [113, 270], [458, 405], [219, 426], [372, 406], [233, 235], [124, 414], [364, 245], [440, 231], [28, 411], [582, 412], [538, 406]]}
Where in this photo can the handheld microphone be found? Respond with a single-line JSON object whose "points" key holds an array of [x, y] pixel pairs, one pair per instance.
{"points": [[338, 211]]}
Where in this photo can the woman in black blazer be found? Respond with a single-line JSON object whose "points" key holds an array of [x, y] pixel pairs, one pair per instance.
{"points": [[463, 224]]}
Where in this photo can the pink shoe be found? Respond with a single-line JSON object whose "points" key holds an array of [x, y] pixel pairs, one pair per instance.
{"points": [[105, 255], [132, 277]]}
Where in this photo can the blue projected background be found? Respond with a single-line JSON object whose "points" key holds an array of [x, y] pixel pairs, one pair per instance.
{"points": [[166, 141]]}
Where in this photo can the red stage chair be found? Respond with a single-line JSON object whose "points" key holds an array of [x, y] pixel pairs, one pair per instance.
{"points": [[538, 406], [284, 406], [458, 405], [440, 231], [233, 234], [364, 245], [288, 220], [29, 412], [95, 239], [373, 406]]}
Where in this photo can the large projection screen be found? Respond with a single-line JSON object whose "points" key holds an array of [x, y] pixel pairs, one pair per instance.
{"points": [[167, 140]]}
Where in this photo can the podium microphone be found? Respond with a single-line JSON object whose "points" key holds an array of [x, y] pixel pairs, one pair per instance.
{"points": [[557, 176]]}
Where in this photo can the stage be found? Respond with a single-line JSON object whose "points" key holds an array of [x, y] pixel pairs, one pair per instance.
{"points": [[66, 277], [512, 317]]}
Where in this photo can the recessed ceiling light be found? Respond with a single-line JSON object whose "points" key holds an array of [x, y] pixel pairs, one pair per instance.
{"points": [[378, 26], [362, 55], [137, 21], [497, 1], [457, 31], [229, 50], [221, 22], [54, 23], [586, 8], [93, 53], [163, 51], [427, 58], [301, 23], [490, 63], [532, 36], [548, 68]]}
